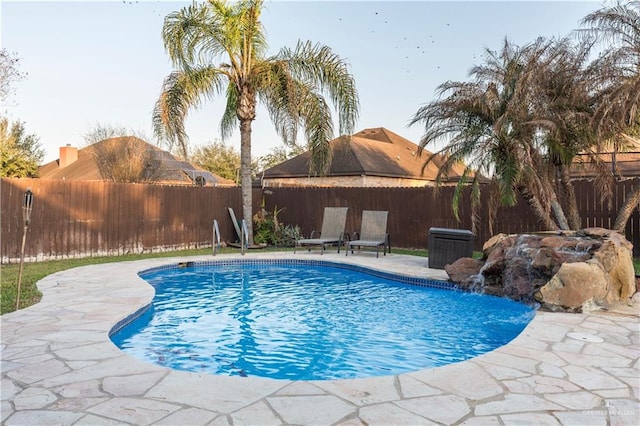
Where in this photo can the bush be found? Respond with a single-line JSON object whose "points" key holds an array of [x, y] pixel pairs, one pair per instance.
{"points": [[268, 230]]}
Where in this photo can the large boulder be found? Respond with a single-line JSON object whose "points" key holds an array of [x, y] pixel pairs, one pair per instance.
{"points": [[567, 271]]}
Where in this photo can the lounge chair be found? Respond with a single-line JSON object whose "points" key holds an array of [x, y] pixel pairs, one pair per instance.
{"points": [[332, 232], [373, 232]]}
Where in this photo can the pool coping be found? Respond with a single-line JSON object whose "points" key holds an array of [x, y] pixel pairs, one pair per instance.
{"points": [[59, 366]]}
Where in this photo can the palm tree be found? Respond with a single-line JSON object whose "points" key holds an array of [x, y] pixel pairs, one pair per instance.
{"points": [[219, 48], [616, 75], [485, 125], [562, 107], [618, 68]]}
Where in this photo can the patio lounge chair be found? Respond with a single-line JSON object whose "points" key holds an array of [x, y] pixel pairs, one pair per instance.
{"points": [[332, 232], [373, 232]]}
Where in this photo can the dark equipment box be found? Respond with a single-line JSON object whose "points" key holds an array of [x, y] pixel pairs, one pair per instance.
{"points": [[448, 245]]}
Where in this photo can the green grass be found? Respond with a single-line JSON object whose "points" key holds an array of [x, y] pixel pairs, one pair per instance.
{"points": [[35, 271]]}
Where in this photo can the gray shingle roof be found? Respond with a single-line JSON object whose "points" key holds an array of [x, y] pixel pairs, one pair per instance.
{"points": [[372, 152]]}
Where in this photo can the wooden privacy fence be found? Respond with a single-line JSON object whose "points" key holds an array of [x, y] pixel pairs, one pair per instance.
{"points": [[86, 218], [412, 211]]}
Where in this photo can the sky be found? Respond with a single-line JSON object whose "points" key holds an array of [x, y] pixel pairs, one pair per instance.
{"points": [[103, 63]]}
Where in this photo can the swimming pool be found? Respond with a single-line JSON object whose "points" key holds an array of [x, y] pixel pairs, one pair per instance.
{"points": [[311, 320]]}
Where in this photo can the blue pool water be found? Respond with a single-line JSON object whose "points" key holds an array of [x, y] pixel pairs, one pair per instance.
{"points": [[307, 321]]}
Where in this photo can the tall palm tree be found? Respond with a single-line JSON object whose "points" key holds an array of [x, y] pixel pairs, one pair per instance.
{"points": [[562, 107], [484, 124], [617, 78], [220, 48], [618, 68]]}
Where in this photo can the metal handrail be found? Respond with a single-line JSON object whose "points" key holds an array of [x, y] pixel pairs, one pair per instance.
{"points": [[216, 237], [244, 238]]}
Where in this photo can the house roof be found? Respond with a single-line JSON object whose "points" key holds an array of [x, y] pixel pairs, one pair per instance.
{"points": [[627, 162], [85, 167], [627, 165], [372, 152]]}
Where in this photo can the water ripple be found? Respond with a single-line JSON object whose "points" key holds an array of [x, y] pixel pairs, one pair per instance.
{"points": [[311, 323]]}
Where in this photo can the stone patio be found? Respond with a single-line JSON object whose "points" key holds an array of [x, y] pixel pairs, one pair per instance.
{"points": [[59, 367]]}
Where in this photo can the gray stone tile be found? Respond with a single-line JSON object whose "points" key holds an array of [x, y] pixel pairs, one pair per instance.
{"points": [[8, 388], [389, 414], [224, 394], [526, 419], [15, 351], [623, 411], [95, 351], [482, 421], [447, 409], [613, 393], [36, 359], [42, 417], [188, 416], [134, 384], [524, 364], [515, 403], [576, 400], [412, 388], [540, 385], [301, 388], [119, 366], [33, 373], [256, 414], [33, 399], [582, 418], [499, 372], [88, 389], [5, 410], [222, 420], [134, 410], [595, 361], [455, 379], [320, 409], [93, 420], [549, 370], [76, 404], [591, 378], [363, 391]]}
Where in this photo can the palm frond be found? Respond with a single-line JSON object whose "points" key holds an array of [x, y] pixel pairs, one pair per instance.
{"points": [[318, 65], [180, 92]]}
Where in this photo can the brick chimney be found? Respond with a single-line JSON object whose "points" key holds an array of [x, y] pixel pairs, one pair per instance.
{"points": [[68, 155]]}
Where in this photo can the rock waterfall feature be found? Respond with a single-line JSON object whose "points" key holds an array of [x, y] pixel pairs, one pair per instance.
{"points": [[573, 271]]}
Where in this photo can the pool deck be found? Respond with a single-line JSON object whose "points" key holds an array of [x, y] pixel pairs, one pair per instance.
{"points": [[59, 367]]}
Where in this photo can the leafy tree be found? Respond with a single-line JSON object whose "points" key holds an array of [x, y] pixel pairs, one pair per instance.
{"points": [[128, 160], [218, 158], [121, 157], [20, 153], [9, 73], [279, 154], [220, 48]]}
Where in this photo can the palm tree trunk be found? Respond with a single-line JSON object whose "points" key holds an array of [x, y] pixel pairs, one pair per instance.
{"points": [[543, 214], [558, 212], [632, 202], [245, 176], [570, 198]]}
